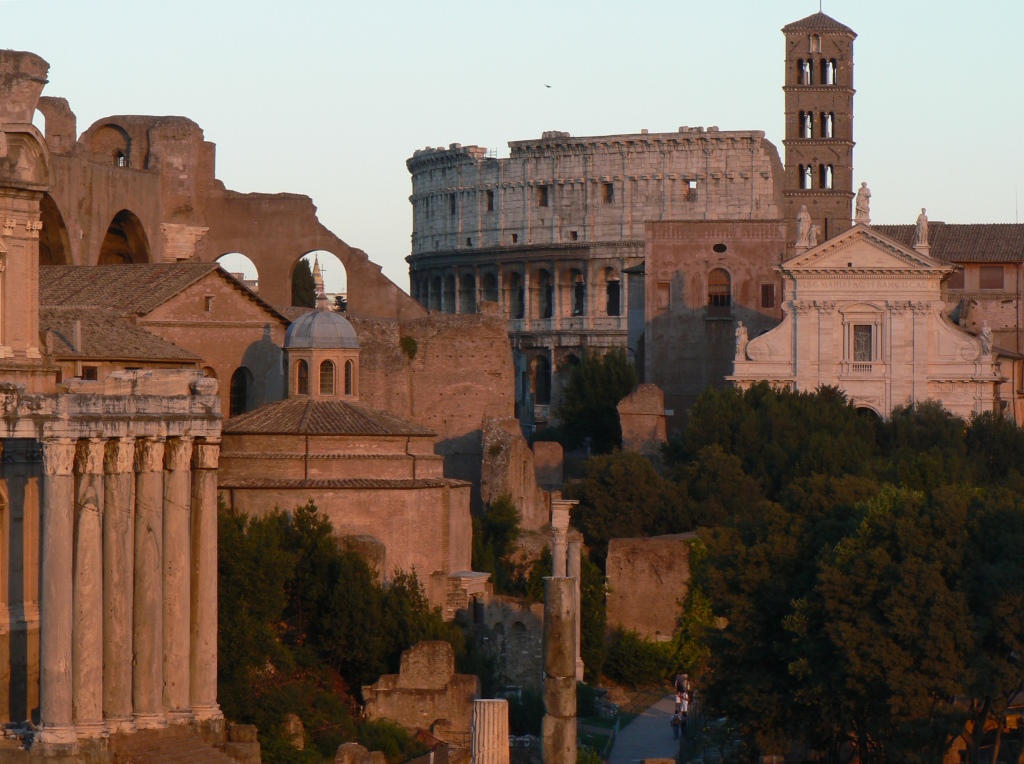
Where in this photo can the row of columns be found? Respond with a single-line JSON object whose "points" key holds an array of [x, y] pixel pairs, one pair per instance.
{"points": [[128, 622]]}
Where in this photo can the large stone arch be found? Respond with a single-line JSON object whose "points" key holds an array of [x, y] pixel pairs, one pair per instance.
{"points": [[277, 230], [54, 242], [112, 141], [125, 241]]}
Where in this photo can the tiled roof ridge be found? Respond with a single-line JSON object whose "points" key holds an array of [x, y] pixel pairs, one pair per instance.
{"points": [[818, 22]]}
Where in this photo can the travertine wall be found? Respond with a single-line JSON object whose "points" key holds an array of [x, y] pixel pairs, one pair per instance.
{"points": [[647, 578], [642, 418], [508, 469]]}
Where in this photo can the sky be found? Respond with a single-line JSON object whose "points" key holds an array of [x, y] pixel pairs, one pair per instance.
{"points": [[329, 97]]}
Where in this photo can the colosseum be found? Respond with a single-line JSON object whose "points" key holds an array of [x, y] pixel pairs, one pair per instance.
{"points": [[550, 233]]}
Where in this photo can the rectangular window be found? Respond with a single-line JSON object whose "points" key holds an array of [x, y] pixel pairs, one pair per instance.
{"points": [[209, 303], [664, 294], [542, 196], [955, 280], [862, 342], [607, 193], [767, 295], [91, 373], [990, 277], [574, 235], [452, 202], [490, 201], [515, 238]]}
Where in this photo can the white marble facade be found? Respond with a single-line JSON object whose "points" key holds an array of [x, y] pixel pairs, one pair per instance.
{"points": [[864, 313]]}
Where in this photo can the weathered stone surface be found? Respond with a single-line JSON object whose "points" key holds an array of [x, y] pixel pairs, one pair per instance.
{"points": [[560, 695], [559, 740], [427, 666], [642, 416], [559, 627], [549, 460], [294, 732], [647, 577], [489, 741], [509, 470], [351, 753]]}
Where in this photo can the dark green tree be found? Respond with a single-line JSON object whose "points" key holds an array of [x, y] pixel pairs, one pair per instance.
{"points": [[589, 401], [494, 545], [303, 286]]}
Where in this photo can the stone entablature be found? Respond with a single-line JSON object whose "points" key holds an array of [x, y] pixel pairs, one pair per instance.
{"points": [[864, 313]]}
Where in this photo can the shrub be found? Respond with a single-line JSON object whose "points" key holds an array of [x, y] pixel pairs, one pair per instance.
{"points": [[634, 661], [409, 346]]}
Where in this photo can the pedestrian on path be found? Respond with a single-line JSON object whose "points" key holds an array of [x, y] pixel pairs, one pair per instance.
{"points": [[676, 724]]}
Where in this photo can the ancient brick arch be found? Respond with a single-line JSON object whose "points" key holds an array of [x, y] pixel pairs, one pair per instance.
{"points": [[54, 242], [125, 241], [112, 141]]}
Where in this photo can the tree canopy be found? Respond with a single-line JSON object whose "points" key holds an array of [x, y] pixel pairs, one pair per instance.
{"points": [[589, 401]]}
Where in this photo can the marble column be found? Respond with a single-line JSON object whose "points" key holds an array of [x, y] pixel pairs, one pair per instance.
{"points": [[489, 734], [118, 584], [559, 533], [147, 612], [177, 578], [573, 565], [87, 630], [559, 725], [57, 735], [204, 582]]}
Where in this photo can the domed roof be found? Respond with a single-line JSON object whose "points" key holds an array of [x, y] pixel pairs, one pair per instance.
{"points": [[321, 329]]}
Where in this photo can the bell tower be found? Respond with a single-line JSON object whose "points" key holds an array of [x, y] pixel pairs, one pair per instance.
{"points": [[819, 124]]}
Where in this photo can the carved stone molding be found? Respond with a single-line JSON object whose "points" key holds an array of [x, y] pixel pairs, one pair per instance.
{"points": [[58, 456], [89, 457], [120, 455], [9, 224], [178, 453], [205, 456], [33, 227], [149, 455]]}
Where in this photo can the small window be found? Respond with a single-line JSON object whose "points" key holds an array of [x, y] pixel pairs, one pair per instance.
{"points": [[607, 193], [862, 343], [120, 160], [490, 201], [955, 280], [815, 43], [574, 235], [664, 294], [720, 248], [542, 196], [806, 124], [302, 372], [469, 241], [208, 303], [719, 293], [452, 202], [90, 373], [767, 295], [806, 176], [515, 238], [612, 297], [991, 277], [327, 378], [349, 370], [828, 124]]}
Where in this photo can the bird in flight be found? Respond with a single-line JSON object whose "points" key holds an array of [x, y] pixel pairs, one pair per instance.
{"points": [[547, 86]]}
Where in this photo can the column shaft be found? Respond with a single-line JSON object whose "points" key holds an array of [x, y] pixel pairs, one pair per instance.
{"points": [[559, 726], [118, 584], [148, 677], [204, 582], [489, 737], [87, 649], [573, 565], [57, 734], [177, 578]]}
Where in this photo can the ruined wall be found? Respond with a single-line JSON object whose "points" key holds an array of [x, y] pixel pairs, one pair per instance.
{"points": [[517, 634], [642, 417], [647, 577], [461, 369], [689, 344], [426, 694], [508, 469]]}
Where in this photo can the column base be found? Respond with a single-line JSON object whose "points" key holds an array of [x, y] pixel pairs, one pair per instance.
{"points": [[55, 741], [207, 713], [180, 717], [91, 730], [122, 724], [150, 721]]}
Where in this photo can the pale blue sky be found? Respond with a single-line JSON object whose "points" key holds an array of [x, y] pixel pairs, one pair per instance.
{"points": [[329, 97]]}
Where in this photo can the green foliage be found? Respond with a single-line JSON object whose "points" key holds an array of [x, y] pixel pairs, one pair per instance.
{"points": [[301, 622], [586, 700], [303, 286], [589, 400], [386, 736], [409, 346], [526, 712], [587, 755], [593, 618], [494, 544], [634, 661]]}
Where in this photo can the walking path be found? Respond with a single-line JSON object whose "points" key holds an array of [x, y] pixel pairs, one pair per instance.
{"points": [[649, 736]]}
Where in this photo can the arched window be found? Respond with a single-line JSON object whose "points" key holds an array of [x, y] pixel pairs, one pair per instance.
{"points": [[449, 294], [828, 124], [489, 283], [804, 72], [241, 382], [613, 293], [302, 372], [719, 293], [327, 378], [815, 43], [806, 124], [806, 176], [829, 71], [435, 293], [467, 293], [516, 296], [540, 380], [579, 294], [349, 382], [545, 295], [826, 172]]}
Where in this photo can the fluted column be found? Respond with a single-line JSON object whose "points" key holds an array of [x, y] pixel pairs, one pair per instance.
{"points": [[489, 736], [57, 734], [147, 621], [204, 582], [177, 578], [87, 649], [118, 584], [559, 533]]}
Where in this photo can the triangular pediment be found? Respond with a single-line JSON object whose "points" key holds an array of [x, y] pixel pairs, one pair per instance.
{"points": [[864, 250]]}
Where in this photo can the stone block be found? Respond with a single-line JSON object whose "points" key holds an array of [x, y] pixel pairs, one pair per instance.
{"points": [[548, 458], [560, 696], [245, 753], [659, 567], [427, 666], [559, 740], [242, 733], [351, 753], [559, 627]]}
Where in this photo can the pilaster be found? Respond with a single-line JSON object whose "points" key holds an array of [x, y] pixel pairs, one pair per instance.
{"points": [[87, 652], [203, 637]]}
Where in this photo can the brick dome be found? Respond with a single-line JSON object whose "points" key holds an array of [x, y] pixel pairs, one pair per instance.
{"points": [[321, 329]]}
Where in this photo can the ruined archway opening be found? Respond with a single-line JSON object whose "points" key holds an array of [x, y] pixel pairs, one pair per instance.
{"points": [[125, 242], [114, 142], [317, 272], [242, 268], [54, 244]]}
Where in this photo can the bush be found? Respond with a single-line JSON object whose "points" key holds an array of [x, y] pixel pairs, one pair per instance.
{"points": [[587, 755], [586, 700], [634, 661]]}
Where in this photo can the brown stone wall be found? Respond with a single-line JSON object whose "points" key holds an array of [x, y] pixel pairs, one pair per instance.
{"points": [[462, 370], [508, 469], [647, 577], [517, 629], [687, 345], [396, 517]]}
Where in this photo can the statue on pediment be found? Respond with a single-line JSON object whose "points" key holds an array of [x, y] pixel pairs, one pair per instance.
{"points": [[921, 236], [741, 341], [986, 340], [863, 204], [803, 226]]}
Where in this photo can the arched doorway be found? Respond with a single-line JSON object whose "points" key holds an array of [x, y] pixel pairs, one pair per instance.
{"points": [[125, 242], [242, 268], [540, 380], [54, 244]]}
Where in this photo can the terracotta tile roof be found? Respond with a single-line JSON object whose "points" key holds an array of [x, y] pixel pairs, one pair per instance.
{"points": [[965, 243], [133, 289], [818, 22], [301, 483], [106, 336], [305, 416]]}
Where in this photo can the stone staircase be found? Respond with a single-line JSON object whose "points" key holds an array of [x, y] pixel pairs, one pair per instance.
{"points": [[174, 745]]}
